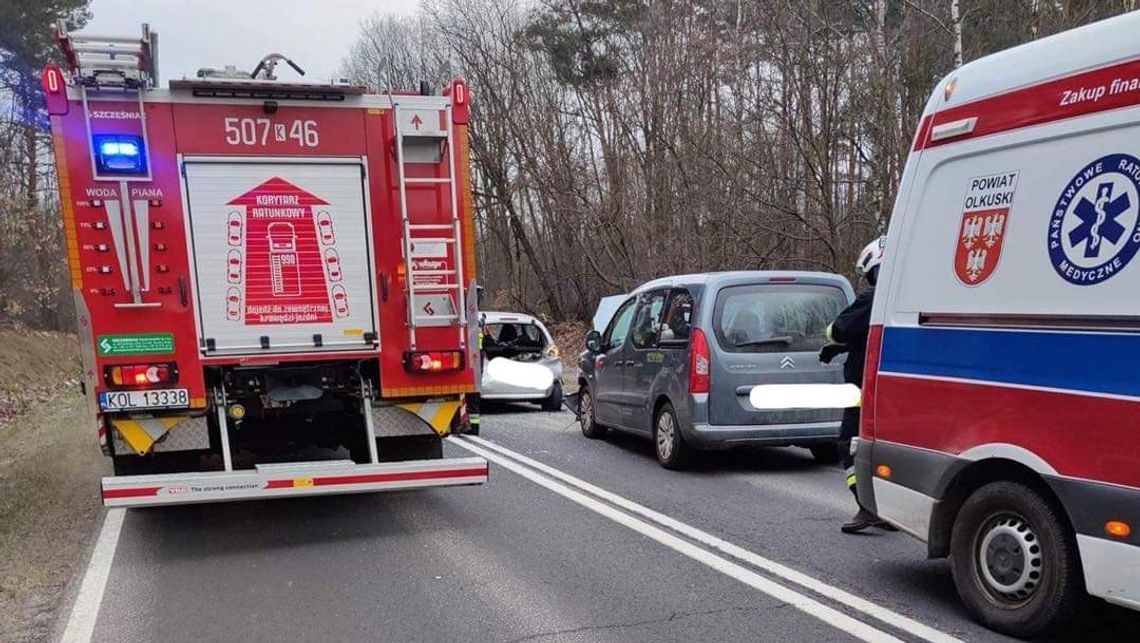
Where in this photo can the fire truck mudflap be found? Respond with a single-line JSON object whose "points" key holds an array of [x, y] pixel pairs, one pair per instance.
{"points": [[290, 479]]}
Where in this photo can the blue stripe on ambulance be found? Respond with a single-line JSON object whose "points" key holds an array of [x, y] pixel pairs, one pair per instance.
{"points": [[1075, 361]]}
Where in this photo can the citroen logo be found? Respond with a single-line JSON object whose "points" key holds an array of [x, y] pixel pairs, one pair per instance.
{"points": [[787, 362]]}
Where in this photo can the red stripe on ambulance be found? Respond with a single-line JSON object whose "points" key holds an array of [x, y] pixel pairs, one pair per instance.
{"points": [[952, 416], [1089, 92]]}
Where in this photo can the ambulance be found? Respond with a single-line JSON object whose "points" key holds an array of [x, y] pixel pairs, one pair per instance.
{"points": [[1001, 401], [272, 278]]}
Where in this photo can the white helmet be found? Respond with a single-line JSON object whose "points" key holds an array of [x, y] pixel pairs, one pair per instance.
{"points": [[871, 256]]}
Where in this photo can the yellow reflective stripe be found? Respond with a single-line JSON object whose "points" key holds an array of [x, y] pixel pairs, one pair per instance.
{"points": [[828, 334], [441, 421], [413, 391], [142, 434], [851, 480], [134, 435]]}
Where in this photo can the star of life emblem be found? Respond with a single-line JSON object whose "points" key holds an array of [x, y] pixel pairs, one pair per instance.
{"points": [[982, 229], [1094, 229]]}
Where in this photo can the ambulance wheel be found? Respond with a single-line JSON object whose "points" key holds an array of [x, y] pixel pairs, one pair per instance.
{"points": [[1015, 561], [586, 418], [409, 447], [553, 402]]}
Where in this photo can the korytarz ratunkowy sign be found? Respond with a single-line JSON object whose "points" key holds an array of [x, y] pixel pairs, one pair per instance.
{"points": [[287, 243]]}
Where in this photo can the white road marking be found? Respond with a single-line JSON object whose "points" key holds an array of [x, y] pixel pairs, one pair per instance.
{"points": [[802, 602], [836, 594], [81, 623]]}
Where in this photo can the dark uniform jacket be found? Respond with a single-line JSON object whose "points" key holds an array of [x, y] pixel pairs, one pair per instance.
{"points": [[851, 328]]}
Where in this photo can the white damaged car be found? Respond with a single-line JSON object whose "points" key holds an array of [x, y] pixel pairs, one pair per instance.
{"points": [[525, 342]]}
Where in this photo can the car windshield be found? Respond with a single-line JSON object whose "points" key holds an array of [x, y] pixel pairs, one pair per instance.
{"points": [[516, 335], [768, 318]]}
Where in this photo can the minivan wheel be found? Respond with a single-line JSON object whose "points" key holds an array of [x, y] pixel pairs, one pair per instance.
{"points": [[672, 452], [1014, 561], [590, 427]]}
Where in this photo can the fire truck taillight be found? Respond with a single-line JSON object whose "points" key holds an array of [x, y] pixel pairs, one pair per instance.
{"points": [[434, 362], [137, 375]]}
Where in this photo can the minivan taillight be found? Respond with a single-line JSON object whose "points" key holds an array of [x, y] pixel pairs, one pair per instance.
{"points": [[699, 362]]}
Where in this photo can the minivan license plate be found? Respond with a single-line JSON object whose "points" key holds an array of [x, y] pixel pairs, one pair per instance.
{"points": [[167, 398]]}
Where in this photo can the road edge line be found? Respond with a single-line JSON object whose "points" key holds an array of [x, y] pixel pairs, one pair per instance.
{"points": [[85, 610], [811, 583], [802, 602]]}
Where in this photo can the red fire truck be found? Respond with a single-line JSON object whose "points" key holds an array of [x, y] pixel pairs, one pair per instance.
{"points": [[272, 280]]}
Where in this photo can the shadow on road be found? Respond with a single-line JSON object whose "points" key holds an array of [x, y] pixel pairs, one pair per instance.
{"points": [[737, 460], [209, 530]]}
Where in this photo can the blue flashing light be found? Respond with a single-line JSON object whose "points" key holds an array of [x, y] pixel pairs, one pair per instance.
{"points": [[119, 154]]}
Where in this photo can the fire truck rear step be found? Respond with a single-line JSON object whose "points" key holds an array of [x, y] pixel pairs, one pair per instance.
{"points": [[289, 480]]}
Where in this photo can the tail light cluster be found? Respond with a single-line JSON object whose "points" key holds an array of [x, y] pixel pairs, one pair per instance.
{"points": [[700, 362], [870, 382], [434, 361], [140, 375]]}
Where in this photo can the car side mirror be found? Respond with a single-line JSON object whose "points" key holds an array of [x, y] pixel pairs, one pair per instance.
{"points": [[594, 341]]}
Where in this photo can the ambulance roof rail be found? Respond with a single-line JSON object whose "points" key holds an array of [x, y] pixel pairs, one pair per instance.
{"points": [[110, 61]]}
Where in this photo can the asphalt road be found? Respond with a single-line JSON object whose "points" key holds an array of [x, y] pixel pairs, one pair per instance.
{"points": [[529, 557]]}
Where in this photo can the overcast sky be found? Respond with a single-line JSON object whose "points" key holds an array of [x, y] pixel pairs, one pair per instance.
{"points": [[212, 33]]}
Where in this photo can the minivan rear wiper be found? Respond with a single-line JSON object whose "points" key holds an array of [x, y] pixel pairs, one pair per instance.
{"points": [[783, 339]]}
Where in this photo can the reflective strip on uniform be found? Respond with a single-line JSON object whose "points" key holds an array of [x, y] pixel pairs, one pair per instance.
{"points": [[850, 472], [474, 420]]}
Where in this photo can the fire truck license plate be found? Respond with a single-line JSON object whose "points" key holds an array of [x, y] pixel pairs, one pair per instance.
{"points": [[167, 398]]}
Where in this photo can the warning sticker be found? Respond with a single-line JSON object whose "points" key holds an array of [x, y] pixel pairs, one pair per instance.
{"points": [[139, 344], [981, 233], [287, 235]]}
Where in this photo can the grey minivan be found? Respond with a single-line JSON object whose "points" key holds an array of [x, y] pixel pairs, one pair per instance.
{"points": [[678, 358]]}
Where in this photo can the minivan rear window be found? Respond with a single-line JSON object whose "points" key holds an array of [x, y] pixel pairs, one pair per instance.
{"points": [[768, 318]]}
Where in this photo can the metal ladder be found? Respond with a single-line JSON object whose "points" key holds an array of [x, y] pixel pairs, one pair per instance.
{"points": [[107, 61], [425, 316], [106, 64]]}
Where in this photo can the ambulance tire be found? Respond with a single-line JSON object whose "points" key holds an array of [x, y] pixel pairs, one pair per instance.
{"points": [[1031, 583], [586, 419], [405, 448]]}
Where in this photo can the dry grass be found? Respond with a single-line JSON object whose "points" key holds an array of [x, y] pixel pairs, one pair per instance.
{"points": [[34, 367], [50, 466]]}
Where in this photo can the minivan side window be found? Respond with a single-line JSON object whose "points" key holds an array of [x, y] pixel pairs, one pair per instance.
{"points": [[647, 320], [619, 326], [678, 319], [766, 318]]}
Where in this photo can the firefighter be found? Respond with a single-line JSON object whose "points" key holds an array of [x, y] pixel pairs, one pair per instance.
{"points": [[848, 334]]}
